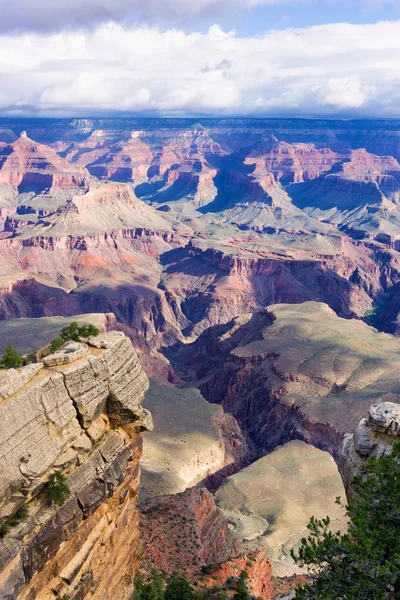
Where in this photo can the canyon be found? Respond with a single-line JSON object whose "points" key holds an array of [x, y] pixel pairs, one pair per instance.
{"points": [[250, 269]]}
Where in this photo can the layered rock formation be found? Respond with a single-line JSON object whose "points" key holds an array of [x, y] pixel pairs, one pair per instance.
{"points": [[28, 166], [373, 436], [258, 568], [172, 274], [307, 375], [79, 413]]}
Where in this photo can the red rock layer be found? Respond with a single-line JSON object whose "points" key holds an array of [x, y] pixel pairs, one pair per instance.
{"points": [[184, 531], [29, 163], [258, 568]]}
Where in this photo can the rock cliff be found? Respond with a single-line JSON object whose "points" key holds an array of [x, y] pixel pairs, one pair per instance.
{"points": [[182, 532], [79, 413], [373, 436]]}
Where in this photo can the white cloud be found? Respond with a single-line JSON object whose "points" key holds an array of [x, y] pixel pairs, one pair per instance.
{"points": [[326, 69]]}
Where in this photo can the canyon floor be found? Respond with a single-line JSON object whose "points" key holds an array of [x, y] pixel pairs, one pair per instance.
{"points": [[255, 267]]}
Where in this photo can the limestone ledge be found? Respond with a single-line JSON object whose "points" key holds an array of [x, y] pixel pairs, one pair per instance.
{"points": [[83, 417], [373, 436]]}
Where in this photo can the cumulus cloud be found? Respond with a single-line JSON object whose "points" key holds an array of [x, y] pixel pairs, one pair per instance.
{"points": [[330, 69]]}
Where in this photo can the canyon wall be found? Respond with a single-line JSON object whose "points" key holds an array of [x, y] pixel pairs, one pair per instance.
{"points": [[78, 413]]}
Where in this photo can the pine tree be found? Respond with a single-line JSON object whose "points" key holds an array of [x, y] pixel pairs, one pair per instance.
{"points": [[242, 592], [363, 564], [178, 588], [56, 490], [11, 358]]}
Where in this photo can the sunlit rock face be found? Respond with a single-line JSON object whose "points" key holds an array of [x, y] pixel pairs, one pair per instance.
{"points": [[79, 412], [192, 439]]}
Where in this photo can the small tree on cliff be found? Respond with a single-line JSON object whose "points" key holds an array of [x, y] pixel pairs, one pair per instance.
{"points": [[56, 489], [74, 331], [242, 592], [11, 358], [363, 564], [178, 588]]}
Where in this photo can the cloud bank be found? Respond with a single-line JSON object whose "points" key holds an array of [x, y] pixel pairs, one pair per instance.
{"points": [[323, 70]]}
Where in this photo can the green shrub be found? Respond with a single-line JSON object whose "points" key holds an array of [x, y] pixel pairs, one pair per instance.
{"points": [[74, 331], [178, 588], [18, 517], [27, 359], [56, 344], [56, 490], [241, 592], [11, 358]]}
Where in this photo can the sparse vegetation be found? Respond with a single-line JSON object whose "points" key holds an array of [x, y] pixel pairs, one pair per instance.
{"points": [[74, 331], [56, 344], [29, 358], [56, 490], [160, 586], [242, 592], [365, 562], [18, 517], [12, 359], [371, 316]]}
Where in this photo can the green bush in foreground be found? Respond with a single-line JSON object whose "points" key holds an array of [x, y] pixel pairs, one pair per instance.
{"points": [[56, 490], [363, 564], [72, 333]]}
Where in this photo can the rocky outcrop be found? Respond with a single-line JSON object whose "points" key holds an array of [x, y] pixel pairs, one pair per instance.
{"points": [[182, 532], [290, 163], [258, 568], [373, 436], [79, 414]]}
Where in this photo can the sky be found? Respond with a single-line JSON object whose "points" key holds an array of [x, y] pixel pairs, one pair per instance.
{"points": [[317, 58]]}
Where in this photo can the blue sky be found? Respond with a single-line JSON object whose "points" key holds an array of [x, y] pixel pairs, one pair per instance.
{"points": [[262, 18]]}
